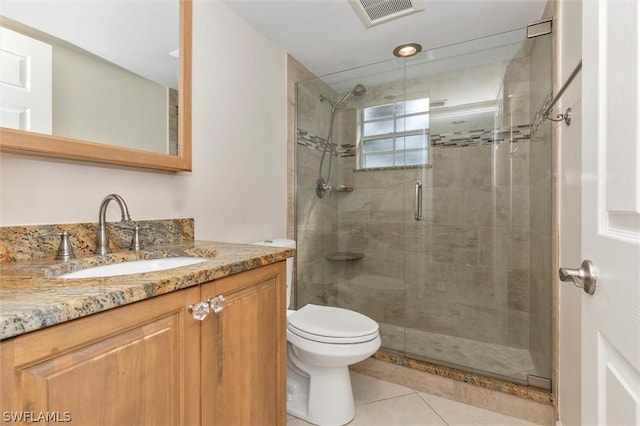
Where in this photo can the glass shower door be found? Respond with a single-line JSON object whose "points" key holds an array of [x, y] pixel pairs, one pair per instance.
{"points": [[438, 226], [394, 151], [478, 263]]}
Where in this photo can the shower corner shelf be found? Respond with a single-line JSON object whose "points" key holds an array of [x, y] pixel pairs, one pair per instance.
{"points": [[343, 188], [343, 256]]}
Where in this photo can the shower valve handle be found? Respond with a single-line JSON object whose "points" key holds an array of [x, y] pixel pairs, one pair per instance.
{"points": [[322, 188]]}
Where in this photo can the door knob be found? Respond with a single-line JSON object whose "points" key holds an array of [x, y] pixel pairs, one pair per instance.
{"points": [[583, 277]]}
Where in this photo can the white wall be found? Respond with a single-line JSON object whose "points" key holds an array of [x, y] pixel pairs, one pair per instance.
{"points": [[237, 189], [569, 19]]}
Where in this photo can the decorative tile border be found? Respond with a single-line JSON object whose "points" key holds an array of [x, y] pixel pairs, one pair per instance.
{"points": [[490, 383], [481, 137], [316, 142], [445, 140]]}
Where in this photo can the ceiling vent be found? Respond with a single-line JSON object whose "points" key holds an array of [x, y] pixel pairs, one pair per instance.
{"points": [[374, 12]]}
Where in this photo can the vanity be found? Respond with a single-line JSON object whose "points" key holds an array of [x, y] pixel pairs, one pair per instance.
{"points": [[202, 344]]}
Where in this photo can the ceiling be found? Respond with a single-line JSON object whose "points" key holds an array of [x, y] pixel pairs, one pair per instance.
{"points": [[327, 36]]}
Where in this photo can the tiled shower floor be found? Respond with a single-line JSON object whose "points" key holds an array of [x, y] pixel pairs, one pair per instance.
{"points": [[457, 352]]}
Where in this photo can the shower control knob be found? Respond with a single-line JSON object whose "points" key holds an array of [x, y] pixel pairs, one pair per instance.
{"points": [[199, 310], [217, 303]]}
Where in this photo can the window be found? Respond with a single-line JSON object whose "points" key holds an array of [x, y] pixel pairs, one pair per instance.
{"points": [[395, 134]]}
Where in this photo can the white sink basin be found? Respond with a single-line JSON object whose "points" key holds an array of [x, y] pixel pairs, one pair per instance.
{"points": [[135, 267]]}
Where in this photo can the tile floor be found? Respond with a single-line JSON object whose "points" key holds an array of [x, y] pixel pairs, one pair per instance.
{"points": [[387, 404]]}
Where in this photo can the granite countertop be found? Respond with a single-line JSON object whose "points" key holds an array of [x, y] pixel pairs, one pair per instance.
{"points": [[31, 298]]}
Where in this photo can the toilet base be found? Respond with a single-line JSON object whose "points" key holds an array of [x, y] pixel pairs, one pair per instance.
{"points": [[324, 400]]}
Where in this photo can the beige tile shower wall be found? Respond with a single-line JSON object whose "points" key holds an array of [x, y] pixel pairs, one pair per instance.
{"points": [[541, 211], [316, 219], [466, 271], [295, 72], [516, 86], [316, 232], [467, 264]]}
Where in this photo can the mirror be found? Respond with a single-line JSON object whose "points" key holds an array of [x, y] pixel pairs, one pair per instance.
{"points": [[81, 135]]}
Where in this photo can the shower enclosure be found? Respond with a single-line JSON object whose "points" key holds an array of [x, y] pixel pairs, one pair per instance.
{"points": [[436, 215]]}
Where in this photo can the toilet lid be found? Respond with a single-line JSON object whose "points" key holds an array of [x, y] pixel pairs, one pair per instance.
{"points": [[332, 325]]}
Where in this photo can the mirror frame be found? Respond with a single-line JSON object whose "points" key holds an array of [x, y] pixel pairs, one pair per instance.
{"points": [[24, 142]]}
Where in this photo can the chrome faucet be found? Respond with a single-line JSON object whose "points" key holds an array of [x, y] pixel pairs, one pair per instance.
{"points": [[102, 239]]}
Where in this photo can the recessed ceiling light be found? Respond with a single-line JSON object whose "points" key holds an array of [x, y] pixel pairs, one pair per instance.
{"points": [[407, 49]]}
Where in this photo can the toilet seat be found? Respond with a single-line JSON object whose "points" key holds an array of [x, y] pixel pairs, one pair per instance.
{"points": [[327, 324]]}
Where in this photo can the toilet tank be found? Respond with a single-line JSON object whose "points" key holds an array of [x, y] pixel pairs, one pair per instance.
{"points": [[283, 242]]}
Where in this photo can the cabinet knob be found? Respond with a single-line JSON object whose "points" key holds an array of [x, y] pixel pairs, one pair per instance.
{"points": [[217, 303], [199, 310]]}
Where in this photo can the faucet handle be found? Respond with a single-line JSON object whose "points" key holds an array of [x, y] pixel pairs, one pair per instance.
{"points": [[136, 228], [65, 250], [135, 239]]}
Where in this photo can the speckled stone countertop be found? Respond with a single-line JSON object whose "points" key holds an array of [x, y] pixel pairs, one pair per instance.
{"points": [[32, 298]]}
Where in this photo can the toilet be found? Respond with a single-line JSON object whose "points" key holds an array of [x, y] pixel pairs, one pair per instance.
{"points": [[322, 341]]}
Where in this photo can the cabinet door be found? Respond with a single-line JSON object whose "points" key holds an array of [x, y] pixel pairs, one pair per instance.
{"points": [[244, 350], [134, 365]]}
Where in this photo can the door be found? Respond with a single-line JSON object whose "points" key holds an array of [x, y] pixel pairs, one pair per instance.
{"points": [[611, 212], [25, 83]]}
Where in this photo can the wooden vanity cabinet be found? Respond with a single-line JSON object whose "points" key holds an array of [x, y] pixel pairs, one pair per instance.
{"points": [[134, 365], [151, 363], [244, 350]]}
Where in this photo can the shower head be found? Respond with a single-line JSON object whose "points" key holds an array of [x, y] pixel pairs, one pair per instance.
{"points": [[358, 90]]}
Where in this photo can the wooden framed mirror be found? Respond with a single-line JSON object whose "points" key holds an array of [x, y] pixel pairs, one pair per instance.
{"points": [[51, 145]]}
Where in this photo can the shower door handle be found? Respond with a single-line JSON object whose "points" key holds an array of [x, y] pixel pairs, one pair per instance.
{"points": [[417, 208]]}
